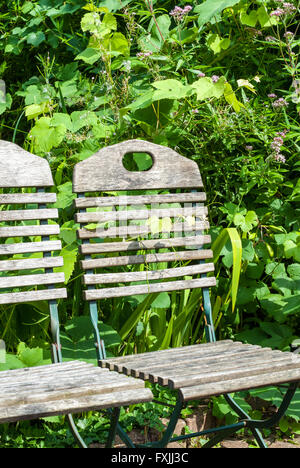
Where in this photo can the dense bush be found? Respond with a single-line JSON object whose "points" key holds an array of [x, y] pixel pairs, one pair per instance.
{"points": [[217, 81]]}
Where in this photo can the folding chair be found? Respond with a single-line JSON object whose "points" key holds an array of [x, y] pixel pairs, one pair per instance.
{"points": [[62, 387], [121, 238]]}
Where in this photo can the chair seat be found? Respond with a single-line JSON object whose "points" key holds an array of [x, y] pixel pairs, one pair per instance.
{"points": [[63, 388], [209, 369]]}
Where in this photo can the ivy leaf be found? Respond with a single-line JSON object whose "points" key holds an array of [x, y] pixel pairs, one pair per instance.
{"points": [[82, 119], [69, 254], [210, 11], [89, 56], [249, 20], [30, 357], [45, 136], [265, 19], [117, 44], [169, 89], [217, 43], [205, 88], [36, 39]]}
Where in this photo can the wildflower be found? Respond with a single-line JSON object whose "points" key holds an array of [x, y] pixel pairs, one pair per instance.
{"points": [[144, 54], [276, 146], [257, 79], [195, 111], [272, 96], [270, 39], [215, 78], [288, 7], [281, 102], [278, 12], [201, 74], [279, 158], [288, 35], [179, 13], [249, 147]]}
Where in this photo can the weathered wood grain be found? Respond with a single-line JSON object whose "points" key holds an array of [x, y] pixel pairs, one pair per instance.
{"points": [[31, 296], [95, 294], [104, 171], [205, 351], [140, 230], [127, 277], [26, 231], [189, 369], [19, 168], [65, 388], [31, 280], [27, 198], [239, 384], [105, 216], [106, 247], [29, 247], [126, 200], [24, 215], [147, 258], [31, 263]]}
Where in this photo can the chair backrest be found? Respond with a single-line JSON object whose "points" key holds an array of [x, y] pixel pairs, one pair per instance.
{"points": [[24, 229], [167, 226]]}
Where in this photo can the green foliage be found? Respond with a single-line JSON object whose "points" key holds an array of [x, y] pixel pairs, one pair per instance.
{"points": [[80, 76]]}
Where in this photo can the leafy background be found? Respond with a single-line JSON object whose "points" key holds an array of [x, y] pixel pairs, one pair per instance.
{"points": [[219, 84]]}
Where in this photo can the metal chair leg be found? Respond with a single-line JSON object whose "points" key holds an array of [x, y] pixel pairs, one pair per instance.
{"points": [[115, 413]]}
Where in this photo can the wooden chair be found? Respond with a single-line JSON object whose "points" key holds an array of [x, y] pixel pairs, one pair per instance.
{"points": [[197, 371], [62, 387]]}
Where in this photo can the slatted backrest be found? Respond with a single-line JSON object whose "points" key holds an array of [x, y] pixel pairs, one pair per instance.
{"points": [[26, 260], [148, 229]]}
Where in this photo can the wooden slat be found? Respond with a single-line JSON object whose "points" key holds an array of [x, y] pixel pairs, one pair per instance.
{"points": [[31, 263], [63, 382], [228, 373], [31, 280], [127, 277], [157, 358], [22, 215], [148, 258], [138, 230], [104, 216], [95, 294], [89, 202], [105, 247], [194, 365], [239, 384], [31, 296], [29, 247], [26, 231], [104, 171], [24, 198], [65, 388]]}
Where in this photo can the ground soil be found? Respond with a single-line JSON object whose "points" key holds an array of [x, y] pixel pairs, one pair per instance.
{"points": [[201, 420]]}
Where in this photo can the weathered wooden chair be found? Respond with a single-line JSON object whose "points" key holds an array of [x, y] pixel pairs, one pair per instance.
{"points": [[197, 371], [61, 387]]}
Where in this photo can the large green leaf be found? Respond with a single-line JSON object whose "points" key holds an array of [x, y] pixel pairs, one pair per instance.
{"points": [[210, 11], [169, 89], [217, 246], [206, 88]]}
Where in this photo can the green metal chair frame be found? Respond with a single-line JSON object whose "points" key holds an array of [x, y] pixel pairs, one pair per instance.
{"points": [[61, 388], [215, 368]]}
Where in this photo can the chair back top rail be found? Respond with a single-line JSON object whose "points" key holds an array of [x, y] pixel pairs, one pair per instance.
{"points": [[19, 168], [104, 171]]}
